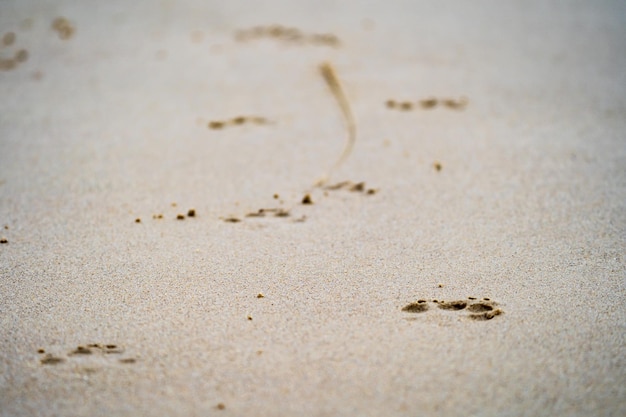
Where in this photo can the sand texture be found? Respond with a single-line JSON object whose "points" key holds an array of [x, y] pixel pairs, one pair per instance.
{"points": [[329, 208]]}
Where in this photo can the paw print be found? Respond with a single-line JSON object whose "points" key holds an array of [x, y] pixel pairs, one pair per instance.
{"points": [[10, 56], [89, 350], [479, 310]]}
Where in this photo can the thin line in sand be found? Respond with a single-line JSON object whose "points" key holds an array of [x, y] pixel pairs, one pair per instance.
{"points": [[331, 79], [328, 72]]}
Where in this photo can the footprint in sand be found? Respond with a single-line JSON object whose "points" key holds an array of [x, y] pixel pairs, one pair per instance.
{"points": [[10, 56], [84, 351], [307, 200], [479, 310]]}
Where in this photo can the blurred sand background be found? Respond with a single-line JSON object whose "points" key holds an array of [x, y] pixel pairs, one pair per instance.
{"points": [[106, 121]]}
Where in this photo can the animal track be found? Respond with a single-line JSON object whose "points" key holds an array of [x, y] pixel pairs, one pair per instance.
{"points": [[480, 310], [12, 58], [237, 121], [428, 103], [190, 213], [276, 212], [63, 27], [85, 350], [332, 81], [15, 58], [418, 307], [306, 200], [287, 34], [358, 187]]}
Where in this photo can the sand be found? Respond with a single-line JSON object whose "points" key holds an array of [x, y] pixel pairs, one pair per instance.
{"points": [[519, 197]]}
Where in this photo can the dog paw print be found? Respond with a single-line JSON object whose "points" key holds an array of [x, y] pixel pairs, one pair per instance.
{"points": [[237, 121], [307, 200], [191, 213], [287, 34], [479, 310], [358, 187], [89, 350], [63, 27], [428, 103], [11, 57]]}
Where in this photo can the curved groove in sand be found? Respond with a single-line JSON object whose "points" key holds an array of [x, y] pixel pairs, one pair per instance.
{"points": [[329, 75]]}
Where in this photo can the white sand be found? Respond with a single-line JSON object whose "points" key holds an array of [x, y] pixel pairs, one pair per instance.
{"points": [[529, 210]]}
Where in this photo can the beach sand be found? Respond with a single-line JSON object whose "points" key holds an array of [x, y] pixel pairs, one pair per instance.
{"points": [[119, 117]]}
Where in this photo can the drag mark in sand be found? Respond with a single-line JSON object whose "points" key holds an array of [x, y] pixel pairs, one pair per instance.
{"points": [[332, 81], [482, 310], [329, 75]]}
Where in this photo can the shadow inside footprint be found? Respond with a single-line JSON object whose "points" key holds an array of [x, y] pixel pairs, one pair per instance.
{"points": [[51, 360], [487, 315], [452, 305], [112, 349], [419, 307], [81, 350], [479, 308]]}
